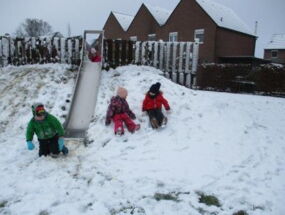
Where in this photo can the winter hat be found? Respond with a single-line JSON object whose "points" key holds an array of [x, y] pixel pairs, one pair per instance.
{"points": [[93, 51], [122, 92], [38, 109], [155, 88]]}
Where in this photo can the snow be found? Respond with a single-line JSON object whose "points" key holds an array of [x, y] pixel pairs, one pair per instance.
{"points": [[124, 20], [227, 145], [224, 16], [277, 42], [160, 14]]}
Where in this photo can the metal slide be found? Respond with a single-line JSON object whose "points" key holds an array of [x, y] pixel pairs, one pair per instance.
{"points": [[85, 94]]}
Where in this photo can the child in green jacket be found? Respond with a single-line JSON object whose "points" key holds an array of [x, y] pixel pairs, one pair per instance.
{"points": [[48, 130]]}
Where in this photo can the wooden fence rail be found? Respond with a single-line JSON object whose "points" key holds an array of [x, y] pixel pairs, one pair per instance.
{"points": [[178, 60], [20, 51]]}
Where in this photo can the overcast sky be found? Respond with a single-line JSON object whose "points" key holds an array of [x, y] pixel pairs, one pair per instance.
{"points": [[92, 14]]}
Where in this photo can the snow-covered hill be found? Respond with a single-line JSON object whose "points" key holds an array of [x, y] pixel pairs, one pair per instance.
{"points": [[226, 145]]}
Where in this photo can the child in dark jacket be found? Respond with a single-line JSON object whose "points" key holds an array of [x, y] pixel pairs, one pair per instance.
{"points": [[152, 104], [120, 113]]}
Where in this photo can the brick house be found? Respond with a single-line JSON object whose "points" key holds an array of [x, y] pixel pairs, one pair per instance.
{"points": [[220, 31], [116, 25], [275, 50], [147, 22]]}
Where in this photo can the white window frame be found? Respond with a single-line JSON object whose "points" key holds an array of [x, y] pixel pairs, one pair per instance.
{"points": [[152, 36], [199, 31], [173, 36], [274, 51], [134, 38]]}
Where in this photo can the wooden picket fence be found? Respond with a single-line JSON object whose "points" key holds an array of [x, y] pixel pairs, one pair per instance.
{"points": [[178, 60], [21, 51]]}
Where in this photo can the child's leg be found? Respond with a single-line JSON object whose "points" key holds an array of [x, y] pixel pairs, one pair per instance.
{"points": [[118, 124], [159, 116], [54, 145], [156, 117], [130, 123], [44, 147]]}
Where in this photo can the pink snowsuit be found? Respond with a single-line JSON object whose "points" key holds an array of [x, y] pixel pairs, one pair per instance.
{"points": [[120, 112]]}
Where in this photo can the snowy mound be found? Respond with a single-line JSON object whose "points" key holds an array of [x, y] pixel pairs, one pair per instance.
{"points": [[225, 145]]}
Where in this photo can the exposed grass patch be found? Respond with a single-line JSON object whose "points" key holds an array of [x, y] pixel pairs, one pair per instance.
{"points": [[128, 210], [3, 204], [167, 196], [44, 213], [241, 212], [209, 200], [172, 196]]}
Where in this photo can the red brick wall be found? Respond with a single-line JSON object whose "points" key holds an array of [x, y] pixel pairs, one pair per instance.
{"points": [[113, 29], [143, 24], [280, 57], [187, 17], [231, 43]]}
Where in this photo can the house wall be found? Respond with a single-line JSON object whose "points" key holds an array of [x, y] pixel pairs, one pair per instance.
{"points": [[142, 25], [232, 43], [113, 29], [280, 58], [187, 17]]}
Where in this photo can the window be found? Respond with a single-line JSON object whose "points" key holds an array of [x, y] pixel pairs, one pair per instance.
{"points": [[134, 38], [151, 37], [274, 54], [173, 37], [199, 34]]}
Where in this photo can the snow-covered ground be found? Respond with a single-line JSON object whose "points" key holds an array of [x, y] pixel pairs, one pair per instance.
{"points": [[226, 145]]}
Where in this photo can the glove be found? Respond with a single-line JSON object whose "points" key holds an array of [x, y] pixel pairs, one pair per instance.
{"points": [[30, 145], [60, 143]]}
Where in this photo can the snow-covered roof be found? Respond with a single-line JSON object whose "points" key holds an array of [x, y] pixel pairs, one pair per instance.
{"points": [[224, 16], [277, 42], [124, 19], [161, 15]]}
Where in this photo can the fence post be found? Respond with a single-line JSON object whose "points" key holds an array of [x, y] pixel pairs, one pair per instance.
{"points": [[187, 62], [62, 50], [168, 45], [137, 54], [161, 48], [195, 58], [1, 53], [174, 54], [155, 60], [181, 57], [143, 53]]}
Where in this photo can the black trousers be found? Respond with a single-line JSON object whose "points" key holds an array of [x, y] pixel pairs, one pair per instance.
{"points": [[157, 114], [49, 146]]}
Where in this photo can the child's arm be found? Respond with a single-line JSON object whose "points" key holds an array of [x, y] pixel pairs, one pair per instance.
{"points": [[109, 114], [129, 112], [144, 104], [165, 103], [30, 132]]}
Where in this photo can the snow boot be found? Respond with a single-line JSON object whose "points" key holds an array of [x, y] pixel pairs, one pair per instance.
{"points": [[119, 131], [154, 123], [65, 150]]}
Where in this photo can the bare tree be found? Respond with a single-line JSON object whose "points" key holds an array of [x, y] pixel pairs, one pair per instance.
{"points": [[33, 28]]}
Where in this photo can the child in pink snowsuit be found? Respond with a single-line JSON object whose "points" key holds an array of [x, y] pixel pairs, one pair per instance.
{"points": [[120, 112]]}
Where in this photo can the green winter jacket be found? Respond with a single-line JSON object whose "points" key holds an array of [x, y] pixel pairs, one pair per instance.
{"points": [[44, 129]]}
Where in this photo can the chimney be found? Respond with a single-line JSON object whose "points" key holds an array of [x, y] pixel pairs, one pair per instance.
{"points": [[255, 28]]}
